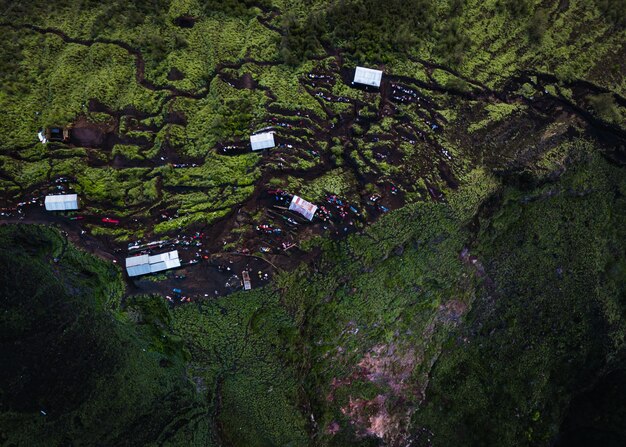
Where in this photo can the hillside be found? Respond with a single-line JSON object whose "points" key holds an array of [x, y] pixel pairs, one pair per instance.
{"points": [[461, 281]]}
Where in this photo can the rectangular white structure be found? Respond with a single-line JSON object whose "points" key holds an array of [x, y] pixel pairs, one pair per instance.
{"points": [[262, 141], [144, 264], [299, 205], [367, 76], [247, 285], [63, 202]]}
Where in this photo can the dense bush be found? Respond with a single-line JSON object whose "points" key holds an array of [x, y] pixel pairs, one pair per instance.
{"points": [[516, 8], [538, 26], [614, 10], [300, 40], [369, 30], [605, 107]]}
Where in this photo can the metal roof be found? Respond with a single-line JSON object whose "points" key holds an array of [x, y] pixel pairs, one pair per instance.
{"points": [[61, 202], [368, 76], [144, 264], [307, 209], [262, 141]]}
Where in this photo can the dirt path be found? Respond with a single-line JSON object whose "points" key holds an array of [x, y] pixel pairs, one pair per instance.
{"points": [[306, 132]]}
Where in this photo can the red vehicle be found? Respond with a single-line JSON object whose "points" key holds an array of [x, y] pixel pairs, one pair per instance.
{"points": [[109, 220]]}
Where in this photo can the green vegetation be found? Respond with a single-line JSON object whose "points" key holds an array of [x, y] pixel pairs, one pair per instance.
{"points": [[75, 368], [479, 300], [604, 106], [549, 312]]}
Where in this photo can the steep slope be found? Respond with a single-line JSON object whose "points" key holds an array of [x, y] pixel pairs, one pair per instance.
{"points": [[75, 371]]}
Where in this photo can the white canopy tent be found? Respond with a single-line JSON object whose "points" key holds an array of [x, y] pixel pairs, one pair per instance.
{"points": [[144, 264], [367, 76], [42, 137], [262, 141], [299, 205], [63, 202]]}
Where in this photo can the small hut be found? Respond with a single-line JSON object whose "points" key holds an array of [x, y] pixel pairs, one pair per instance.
{"points": [[262, 141], [58, 134], [64, 202], [299, 205], [146, 264], [367, 76], [247, 285]]}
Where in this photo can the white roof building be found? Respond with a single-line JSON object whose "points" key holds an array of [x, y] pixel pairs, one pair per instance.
{"points": [[144, 264], [262, 141], [367, 76], [61, 202], [299, 205]]}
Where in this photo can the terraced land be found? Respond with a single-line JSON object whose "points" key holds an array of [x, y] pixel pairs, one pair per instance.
{"points": [[469, 209]]}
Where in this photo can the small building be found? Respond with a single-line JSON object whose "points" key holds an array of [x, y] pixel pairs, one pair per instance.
{"points": [[262, 141], [58, 134], [367, 76], [146, 264], [247, 285], [299, 205], [64, 202]]}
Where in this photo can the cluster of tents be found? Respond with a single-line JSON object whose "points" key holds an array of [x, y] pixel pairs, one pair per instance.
{"points": [[145, 264], [364, 76]]}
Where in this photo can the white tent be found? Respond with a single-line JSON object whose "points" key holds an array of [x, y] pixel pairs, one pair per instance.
{"points": [[299, 205], [367, 76], [138, 265], [262, 141], [61, 202], [144, 264]]}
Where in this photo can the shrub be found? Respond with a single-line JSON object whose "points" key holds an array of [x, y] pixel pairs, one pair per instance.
{"points": [[605, 108], [537, 26]]}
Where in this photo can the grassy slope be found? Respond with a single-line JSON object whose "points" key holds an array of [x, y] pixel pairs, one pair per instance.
{"points": [[543, 325], [266, 359], [68, 352], [550, 323]]}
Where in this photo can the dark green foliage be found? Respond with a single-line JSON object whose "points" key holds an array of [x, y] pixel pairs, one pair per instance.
{"points": [[96, 380], [614, 10], [457, 84], [239, 350], [118, 14], [538, 25], [234, 117], [605, 107], [375, 33], [154, 320], [300, 41], [233, 7], [452, 42], [548, 320], [372, 31], [516, 8]]}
